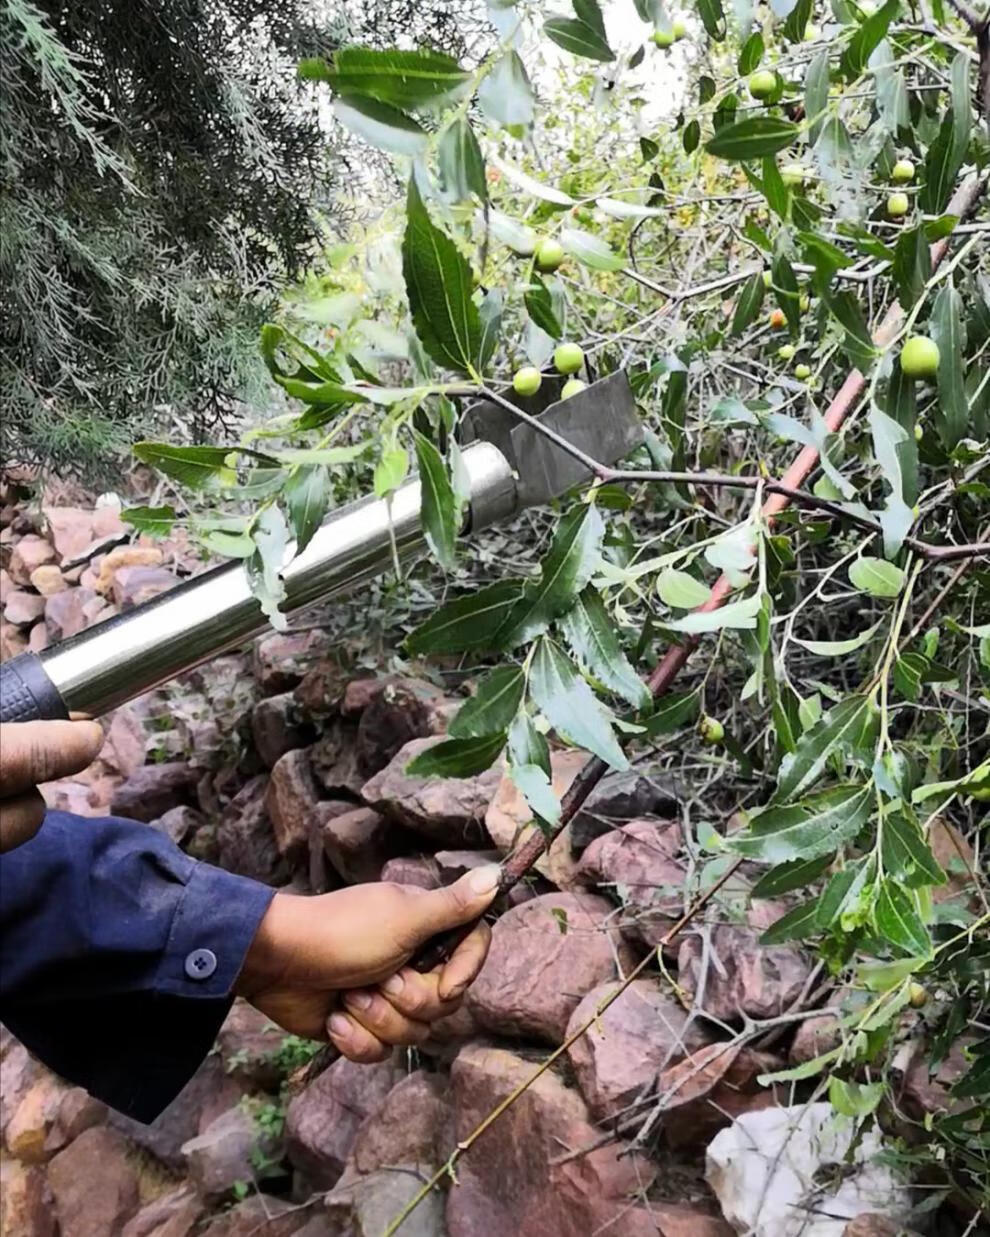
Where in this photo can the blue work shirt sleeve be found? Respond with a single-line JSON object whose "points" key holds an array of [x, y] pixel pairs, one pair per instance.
{"points": [[118, 955]]}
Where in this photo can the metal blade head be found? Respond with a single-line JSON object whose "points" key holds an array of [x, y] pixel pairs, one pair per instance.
{"points": [[601, 420]]}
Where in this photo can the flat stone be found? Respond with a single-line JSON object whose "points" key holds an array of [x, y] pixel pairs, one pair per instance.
{"points": [[153, 790], [65, 613], [281, 659], [277, 728], [260, 1215], [365, 1206], [246, 839], [28, 553], [412, 870], [291, 799], [175, 1214], [225, 1152], [23, 608], [26, 1208], [94, 1184], [620, 797], [179, 823], [403, 709], [132, 586], [636, 865], [104, 567], [744, 977], [48, 579], [358, 843]]}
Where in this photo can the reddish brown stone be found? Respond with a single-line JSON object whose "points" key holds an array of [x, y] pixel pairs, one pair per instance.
{"points": [[321, 689], [638, 859], [28, 553], [94, 1183], [259, 1216], [291, 801], [26, 1208], [23, 608], [134, 585], [413, 1126], [358, 694], [411, 870], [276, 728], [27, 1130], [249, 1044], [358, 843], [175, 1214], [709, 1089], [13, 642], [47, 579], [743, 977], [246, 839], [281, 660], [65, 613], [403, 709], [152, 790]]}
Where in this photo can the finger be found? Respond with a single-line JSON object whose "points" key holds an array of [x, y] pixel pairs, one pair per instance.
{"points": [[371, 1011], [436, 910], [20, 819], [35, 752], [464, 964], [354, 1042], [417, 996]]}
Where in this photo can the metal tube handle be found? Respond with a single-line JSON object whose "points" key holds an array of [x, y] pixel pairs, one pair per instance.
{"points": [[27, 694]]}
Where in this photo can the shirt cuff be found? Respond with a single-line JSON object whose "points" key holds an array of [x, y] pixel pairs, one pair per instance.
{"points": [[214, 925]]}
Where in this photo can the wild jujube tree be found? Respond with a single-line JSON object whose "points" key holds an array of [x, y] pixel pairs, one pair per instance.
{"points": [[797, 263]]}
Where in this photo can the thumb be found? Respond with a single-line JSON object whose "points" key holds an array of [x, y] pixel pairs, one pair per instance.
{"points": [[449, 907]]}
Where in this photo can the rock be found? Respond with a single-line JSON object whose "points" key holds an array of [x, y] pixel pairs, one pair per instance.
{"points": [[210, 1092], [226, 1152], [642, 1033], [358, 694], [38, 638], [175, 1214], [334, 760], [123, 751], [955, 854], [453, 864], [178, 823], [545, 956], [509, 819], [249, 1044], [25, 1201], [769, 1172], [245, 838], [365, 1206], [105, 567], [134, 585], [323, 1120], [925, 1093], [20, 1071], [358, 843], [22, 608], [7, 585], [261, 1215], [67, 795], [744, 977], [872, 1224], [65, 612], [276, 728], [47, 579], [94, 1184], [637, 861], [28, 553], [291, 799], [411, 1127], [709, 1089], [514, 1182], [281, 660], [12, 642], [822, 1033], [319, 694], [401, 710], [27, 1130], [620, 797], [411, 870], [77, 1111], [448, 810], [72, 530], [153, 790], [672, 1220]]}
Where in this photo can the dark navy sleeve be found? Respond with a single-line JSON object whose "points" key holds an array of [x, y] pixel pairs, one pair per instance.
{"points": [[118, 955]]}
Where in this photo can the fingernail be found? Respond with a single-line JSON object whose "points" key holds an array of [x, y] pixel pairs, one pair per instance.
{"points": [[485, 880], [340, 1026], [360, 1000], [393, 985]]}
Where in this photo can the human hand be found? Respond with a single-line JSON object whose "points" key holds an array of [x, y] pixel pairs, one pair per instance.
{"points": [[34, 752], [333, 966]]}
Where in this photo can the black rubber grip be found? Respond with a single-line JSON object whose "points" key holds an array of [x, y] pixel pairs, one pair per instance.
{"points": [[27, 694]]}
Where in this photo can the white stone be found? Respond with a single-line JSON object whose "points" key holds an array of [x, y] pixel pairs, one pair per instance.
{"points": [[769, 1172]]}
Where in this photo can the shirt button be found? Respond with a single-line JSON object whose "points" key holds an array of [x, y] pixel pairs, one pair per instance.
{"points": [[201, 964]]}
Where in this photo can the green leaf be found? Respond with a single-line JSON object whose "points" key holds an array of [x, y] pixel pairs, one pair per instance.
{"points": [[691, 137], [912, 265], [893, 103], [675, 711], [493, 706], [264, 567], [539, 306], [590, 250], [681, 589], [583, 35], [748, 305], [506, 94], [457, 757], [519, 238], [461, 163], [537, 791], [569, 705], [786, 877], [567, 568], [324, 455], [896, 920], [818, 825], [155, 521], [876, 577], [816, 86], [797, 20], [892, 446], [590, 634], [441, 511], [527, 746], [752, 138], [786, 288], [909, 673], [778, 198], [390, 471], [194, 467], [469, 622], [402, 78], [960, 95], [740, 615], [307, 497], [797, 925], [855, 1099], [905, 854], [949, 332], [490, 316], [439, 287], [712, 18], [867, 39], [840, 729], [838, 648], [227, 543], [751, 54], [846, 309], [942, 165], [380, 125]]}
